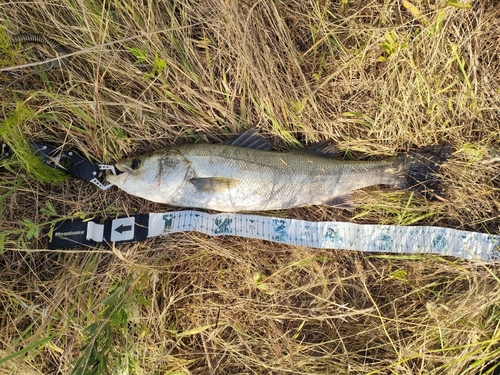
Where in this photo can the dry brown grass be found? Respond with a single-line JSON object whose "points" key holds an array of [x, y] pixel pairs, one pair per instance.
{"points": [[301, 71]]}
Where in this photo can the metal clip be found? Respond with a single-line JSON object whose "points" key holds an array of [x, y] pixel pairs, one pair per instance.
{"points": [[67, 161], [72, 163], [103, 167], [107, 167]]}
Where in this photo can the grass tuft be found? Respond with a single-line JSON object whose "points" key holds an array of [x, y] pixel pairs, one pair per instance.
{"points": [[376, 77], [12, 131]]}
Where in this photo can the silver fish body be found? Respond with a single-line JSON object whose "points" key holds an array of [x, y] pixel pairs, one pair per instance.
{"points": [[231, 178]]}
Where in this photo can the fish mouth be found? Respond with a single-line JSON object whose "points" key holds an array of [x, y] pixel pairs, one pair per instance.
{"points": [[118, 179]]}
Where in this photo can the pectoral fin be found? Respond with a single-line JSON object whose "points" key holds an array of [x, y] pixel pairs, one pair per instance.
{"points": [[214, 184], [344, 201]]}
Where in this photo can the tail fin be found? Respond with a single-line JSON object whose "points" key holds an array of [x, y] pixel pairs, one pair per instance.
{"points": [[420, 169]]}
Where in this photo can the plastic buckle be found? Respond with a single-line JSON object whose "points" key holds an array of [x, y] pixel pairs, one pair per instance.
{"points": [[72, 163]]}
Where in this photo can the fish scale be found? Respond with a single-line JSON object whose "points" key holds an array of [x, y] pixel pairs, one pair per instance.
{"points": [[230, 178], [268, 180]]}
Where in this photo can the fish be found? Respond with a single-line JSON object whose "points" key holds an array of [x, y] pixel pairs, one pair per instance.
{"points": [[246, 174]]}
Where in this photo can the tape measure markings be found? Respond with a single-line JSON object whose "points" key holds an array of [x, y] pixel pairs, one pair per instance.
{"points": [[320, 235]]}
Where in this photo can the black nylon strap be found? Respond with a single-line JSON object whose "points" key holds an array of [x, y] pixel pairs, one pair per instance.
{"points": [[70, 233], [73, 233]]}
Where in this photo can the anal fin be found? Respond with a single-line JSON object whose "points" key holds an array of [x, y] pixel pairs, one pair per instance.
{"points": [[343, 201]]}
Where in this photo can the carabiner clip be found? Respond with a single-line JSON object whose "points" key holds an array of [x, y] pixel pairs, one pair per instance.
{"points": [[72, 163]]}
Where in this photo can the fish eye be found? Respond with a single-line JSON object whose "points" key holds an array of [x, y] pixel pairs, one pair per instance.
{"points": [[136, 163]]}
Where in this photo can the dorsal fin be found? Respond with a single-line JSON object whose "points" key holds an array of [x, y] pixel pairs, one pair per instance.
{"points": [[251, 139], [323, 148]]}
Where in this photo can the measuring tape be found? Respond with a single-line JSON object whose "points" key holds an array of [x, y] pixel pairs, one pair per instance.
{"points": [[320, 235]]}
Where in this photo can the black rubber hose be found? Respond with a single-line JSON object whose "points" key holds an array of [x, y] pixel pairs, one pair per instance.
{"points": [[37, 38]]}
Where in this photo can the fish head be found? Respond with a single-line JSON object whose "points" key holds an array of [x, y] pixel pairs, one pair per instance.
{"points": [[155, 176]]}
